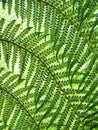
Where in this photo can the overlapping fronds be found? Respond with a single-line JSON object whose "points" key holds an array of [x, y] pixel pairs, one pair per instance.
{"points": [[55, 91], [42, 92]]}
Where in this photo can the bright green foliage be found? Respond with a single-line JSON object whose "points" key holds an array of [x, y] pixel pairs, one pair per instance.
{"points": [[56, 85]]}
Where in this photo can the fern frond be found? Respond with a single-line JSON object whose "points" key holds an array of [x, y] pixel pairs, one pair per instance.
{"points": [[36, 80], [8, 90], [57, 77]]}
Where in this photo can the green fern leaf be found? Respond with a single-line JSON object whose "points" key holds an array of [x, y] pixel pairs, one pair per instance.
{"points": [[49, 65]]}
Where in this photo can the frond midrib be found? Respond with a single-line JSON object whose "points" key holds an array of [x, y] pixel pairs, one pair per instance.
{"points": [[20, 103], [53, 77], [59, 10], [72, 22]]}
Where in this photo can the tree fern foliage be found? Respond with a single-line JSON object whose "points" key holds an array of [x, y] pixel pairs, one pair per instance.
{"points": [[49, 68]]}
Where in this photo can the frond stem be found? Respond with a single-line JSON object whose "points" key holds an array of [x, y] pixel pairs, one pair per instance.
{"points": [[19, 102], [49, 70], [58, 9]]}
